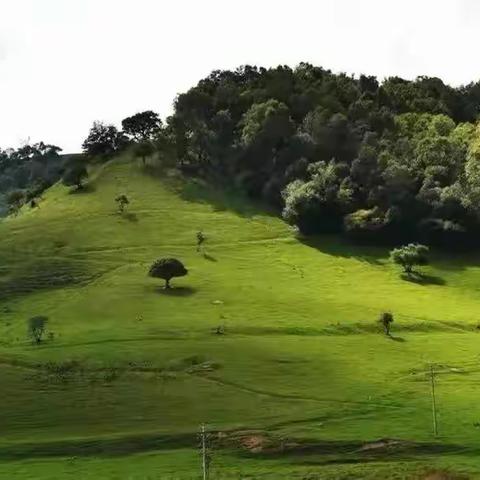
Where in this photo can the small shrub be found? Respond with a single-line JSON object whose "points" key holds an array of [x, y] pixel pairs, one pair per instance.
{"points": [[200, 240], [220, 330], [36, 328], [386, 320], [110, 375], [122, 202], [61, 372]]}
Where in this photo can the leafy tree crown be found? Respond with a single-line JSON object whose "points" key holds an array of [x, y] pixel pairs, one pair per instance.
{"points": [[410, 255], [167, 268], [142, 126]]}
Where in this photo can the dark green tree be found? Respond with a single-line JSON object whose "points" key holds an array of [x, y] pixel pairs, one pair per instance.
{"points": [[15, 201], [386, 320], [75, 175], [200, 240], [104, 141], [410, 256], [122, 202], [143, 149], [142, 126], [31, 168], [317, 205], [167, 268], [36, 328]]}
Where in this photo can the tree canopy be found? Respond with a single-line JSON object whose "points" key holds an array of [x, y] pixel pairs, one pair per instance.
{"points": [[122, 201], [75, 174], [142, 126], [36, 327], [386, 320], [409, 256], [388, 161], [396, 161], [15, 200], [103, 141], [30, 168], [167, 268]]}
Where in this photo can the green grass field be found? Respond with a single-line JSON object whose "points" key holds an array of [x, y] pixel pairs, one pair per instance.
{"points": [[300, 386]]}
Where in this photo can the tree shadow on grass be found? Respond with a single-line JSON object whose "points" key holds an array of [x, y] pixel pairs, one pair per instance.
{"points": [[110, 447], [131, 217], [224, 199], [176, 291], [208, 257], [155, 167], [338, 246], [88, 188], [220, 196], [423, 279], [397, 339]]}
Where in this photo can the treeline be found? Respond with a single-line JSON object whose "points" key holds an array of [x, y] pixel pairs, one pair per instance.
{"points": [[27, 171], [392, 161]]}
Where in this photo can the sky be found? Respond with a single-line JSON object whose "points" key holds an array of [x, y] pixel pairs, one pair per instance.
{"points": [[67, 63]]}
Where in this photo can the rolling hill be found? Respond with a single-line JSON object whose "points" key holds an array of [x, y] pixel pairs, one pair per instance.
{"points": [[303, 384]]}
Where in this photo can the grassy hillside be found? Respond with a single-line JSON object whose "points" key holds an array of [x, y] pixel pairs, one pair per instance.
{"points": [[132, 370]]}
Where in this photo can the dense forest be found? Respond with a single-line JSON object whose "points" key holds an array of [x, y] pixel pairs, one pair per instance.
{"points": [[389, 161], [27, 171]]}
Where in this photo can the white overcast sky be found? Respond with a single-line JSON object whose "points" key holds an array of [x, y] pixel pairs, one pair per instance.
{"points": [[66, 63]]}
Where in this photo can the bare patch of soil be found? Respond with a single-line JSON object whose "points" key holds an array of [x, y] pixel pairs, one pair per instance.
{"points": [[442, 475]]}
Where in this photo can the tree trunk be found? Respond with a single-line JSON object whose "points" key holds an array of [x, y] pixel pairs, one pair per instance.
{"points": [[167, 283]]}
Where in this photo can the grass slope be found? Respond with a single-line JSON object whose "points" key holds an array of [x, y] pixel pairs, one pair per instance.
{"points": [[133, 370]]}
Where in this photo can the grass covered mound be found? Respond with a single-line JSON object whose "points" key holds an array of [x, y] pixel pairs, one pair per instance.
{"points": [[266, 333]]}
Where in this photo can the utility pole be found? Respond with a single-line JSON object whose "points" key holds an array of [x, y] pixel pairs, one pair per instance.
{"points": [[434, 404], [204, 451]]}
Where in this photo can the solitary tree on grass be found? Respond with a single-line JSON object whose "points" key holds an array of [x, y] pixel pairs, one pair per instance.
{"points": [[200, 240], [409, 256], [36, 328], [122, 202], [167, 268], [386, 320]]}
